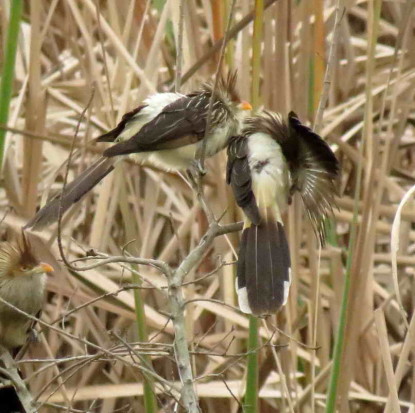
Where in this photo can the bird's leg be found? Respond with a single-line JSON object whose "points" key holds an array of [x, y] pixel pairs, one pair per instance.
{"points": [[197, 168], [193, 177]]}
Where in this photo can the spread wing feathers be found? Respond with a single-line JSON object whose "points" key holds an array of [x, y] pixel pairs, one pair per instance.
{"points": [[238, 175], [314, 172], [113, 134], [263, 272], [180, 123], [74, 191]]}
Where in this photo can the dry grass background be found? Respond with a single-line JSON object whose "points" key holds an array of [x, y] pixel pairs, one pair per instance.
{"points": [[125, 49]]}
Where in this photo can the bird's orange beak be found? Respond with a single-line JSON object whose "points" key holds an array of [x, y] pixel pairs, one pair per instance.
{"points": [[244, 105], [45, 267]]}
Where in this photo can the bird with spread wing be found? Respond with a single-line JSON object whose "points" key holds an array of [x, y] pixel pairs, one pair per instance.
{"points": [[267, 163]]}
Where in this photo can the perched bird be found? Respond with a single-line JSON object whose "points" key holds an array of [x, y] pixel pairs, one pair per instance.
{"points": [[267, 163], [165, 131], [22, 284]]}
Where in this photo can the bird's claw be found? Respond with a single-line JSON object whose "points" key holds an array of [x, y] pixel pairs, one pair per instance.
{"points": [[33, 336], [195, 172], [198, 168]]}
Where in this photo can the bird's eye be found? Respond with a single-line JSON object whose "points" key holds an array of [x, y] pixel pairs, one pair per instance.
{"points": [[24, 267]]}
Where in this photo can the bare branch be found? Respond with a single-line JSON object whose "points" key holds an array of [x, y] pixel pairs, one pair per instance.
{"points": [[160, 265]]}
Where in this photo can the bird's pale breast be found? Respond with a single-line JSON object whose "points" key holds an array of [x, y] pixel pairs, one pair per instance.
{"points": [[269, 171]]}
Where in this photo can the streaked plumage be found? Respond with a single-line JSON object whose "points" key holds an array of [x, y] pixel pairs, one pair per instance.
{"points": [[270, 160], [22, 284], [165, 131]]}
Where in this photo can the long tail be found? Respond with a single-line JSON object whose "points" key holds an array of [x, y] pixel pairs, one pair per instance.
{"points": [[264, 268], [74, 191], [122, 148]]}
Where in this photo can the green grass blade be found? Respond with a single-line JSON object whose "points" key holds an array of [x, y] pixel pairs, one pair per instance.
{"points": [[8, 69], [150, 402], [140, 316], [251, 392]]}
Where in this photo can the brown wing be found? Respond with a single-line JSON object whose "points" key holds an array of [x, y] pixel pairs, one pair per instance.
{"points": [[238, 175], [180, 123], [314, 171], [113, 134]]}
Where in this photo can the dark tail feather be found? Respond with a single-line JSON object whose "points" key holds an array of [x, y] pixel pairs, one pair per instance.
{"points": [[9, 400], [264, 268], [110, 136], [122, 148], [74, 191]]}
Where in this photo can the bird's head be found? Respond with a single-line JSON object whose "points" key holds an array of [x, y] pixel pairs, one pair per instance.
{"points": [[18, 260], [227, 92]]}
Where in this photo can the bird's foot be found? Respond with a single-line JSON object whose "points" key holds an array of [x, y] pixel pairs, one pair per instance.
{"points": [[33, 336], [198, 168], [195, 172]]}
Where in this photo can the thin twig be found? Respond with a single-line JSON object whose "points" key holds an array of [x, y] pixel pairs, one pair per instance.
{"points": [[65, 408], [62, 254], [63, 380], [69, 335], [196, 184], [210, 273], [279, 369], [104, 57], [179, 49], [213, 300], [201, 154], [94, 300], [318, 123], [158, 264], [167, 386]]}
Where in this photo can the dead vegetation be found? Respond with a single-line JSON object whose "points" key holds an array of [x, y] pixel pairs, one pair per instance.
{"points": [[125, 50]]}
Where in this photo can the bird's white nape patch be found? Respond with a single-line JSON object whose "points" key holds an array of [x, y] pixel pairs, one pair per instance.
{"points": [[243, 300], [154, 104], [287, 285], [157, 101]]}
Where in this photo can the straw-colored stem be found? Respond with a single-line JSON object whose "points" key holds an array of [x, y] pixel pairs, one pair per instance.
{"points": [[256, 52], [340, 335]]}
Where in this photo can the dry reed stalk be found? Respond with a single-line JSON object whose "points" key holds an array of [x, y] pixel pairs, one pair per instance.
{"points": [[127, 48]]}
